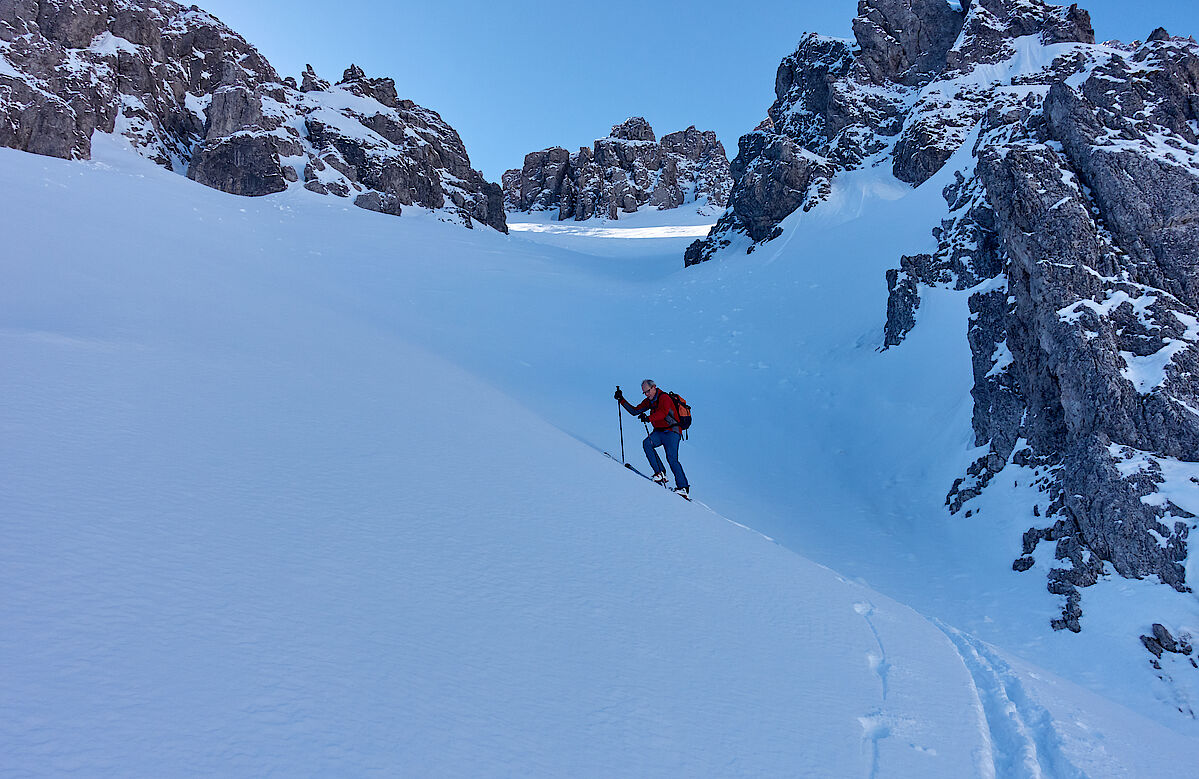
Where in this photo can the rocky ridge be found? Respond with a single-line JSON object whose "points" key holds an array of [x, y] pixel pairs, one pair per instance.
{"points": [[1074, 229], [195, 97], [622, 173], [915, 80]]}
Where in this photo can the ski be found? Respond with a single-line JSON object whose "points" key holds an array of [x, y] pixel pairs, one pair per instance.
{"points": [[630, 467], [647, 478]]}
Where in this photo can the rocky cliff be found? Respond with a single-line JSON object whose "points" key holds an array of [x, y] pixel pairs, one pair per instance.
{"points": [[1073, 228], [195, 97], [623, 172]]}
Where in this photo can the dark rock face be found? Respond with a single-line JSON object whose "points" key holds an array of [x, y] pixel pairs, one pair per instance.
{"points": [[1074, 230], [1129, 144], [240, 167], [774, 183], [310, 83], [195, 97], [804, 107], [1072, 224], [787, 161], [622, 173], [635, 128], [1069, 365], [397, 148], [905, 41], [774, 175]]}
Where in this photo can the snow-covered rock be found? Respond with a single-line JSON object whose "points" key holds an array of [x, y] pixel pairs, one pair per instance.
{"points": [[906, 91], [623, 172], [1089, 190], [194, 96], [1071, 224]]}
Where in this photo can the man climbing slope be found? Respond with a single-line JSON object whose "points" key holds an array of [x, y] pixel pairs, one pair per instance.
{"points": [[664, 416]]}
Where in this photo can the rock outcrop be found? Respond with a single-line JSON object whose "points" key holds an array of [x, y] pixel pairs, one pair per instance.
{"points": [[619, 174], [906, 91], [1093, 188], [1072, 224], [195, 97]]}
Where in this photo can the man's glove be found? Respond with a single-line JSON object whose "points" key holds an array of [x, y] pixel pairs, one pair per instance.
{"points": [[643, 418], [619, 395]]}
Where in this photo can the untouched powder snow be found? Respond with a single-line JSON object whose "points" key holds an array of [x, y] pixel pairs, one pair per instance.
{"points": [[295, 488]]}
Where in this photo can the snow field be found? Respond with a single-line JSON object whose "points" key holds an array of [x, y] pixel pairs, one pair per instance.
{"points": [[246, 534], [296, 488]]}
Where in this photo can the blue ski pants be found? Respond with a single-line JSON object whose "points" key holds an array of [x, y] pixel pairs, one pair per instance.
{"points": [[668, 440]]}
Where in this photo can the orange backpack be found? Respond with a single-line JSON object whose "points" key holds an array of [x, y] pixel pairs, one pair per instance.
{"points": [[684, 411]]}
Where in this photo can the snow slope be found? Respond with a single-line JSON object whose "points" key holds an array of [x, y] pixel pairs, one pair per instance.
{"points": [[298, 489]]}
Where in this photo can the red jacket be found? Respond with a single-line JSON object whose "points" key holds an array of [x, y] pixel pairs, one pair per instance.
{"points": [[662, 412]]}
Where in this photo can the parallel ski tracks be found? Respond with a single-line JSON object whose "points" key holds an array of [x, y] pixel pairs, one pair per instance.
{"points": [[1023, 742]]}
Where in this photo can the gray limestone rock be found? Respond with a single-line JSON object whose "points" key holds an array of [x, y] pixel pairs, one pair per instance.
{"points": [[905, 41], [772, 174], [1162, 640], [381, 89], [1128, 139], [1078, 305], [635, 128], [1073, 26], [310, 83], [953, 102], [696, 158], [903, 298], [384, 203], [192, 95], [232, 110], [240, 166], [537, 186], [804, 109], [621, 173]]}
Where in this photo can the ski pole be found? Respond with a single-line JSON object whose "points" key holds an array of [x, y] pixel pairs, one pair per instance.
{"points": [[620, 421]]}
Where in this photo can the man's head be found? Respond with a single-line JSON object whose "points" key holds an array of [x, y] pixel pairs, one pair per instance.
{"points": [[649, 388]]}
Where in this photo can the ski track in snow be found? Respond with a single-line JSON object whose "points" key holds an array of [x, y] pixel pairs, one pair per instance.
{"points": [[874, 725], [1021, 735]]}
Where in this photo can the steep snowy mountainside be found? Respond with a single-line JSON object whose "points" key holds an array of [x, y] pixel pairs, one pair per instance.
{"points": [[628, 170], [252, 525], [260, 519], [195, 97], [1068, 171]]}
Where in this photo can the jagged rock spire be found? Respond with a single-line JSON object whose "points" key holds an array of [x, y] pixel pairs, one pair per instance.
{"points": [[619, 174]]}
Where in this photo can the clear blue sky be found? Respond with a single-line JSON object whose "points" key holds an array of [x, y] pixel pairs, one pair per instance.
{"points": [[517, 76]]}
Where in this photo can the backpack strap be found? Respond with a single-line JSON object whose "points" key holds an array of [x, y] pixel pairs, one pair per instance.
{"points": [[673, 419]]}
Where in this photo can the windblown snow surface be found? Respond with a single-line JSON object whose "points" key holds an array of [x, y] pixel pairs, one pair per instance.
{"points": [[294, 489]]}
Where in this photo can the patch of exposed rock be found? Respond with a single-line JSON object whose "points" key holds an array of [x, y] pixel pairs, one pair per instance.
{"points": [[628, 170], [195, 97]]}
